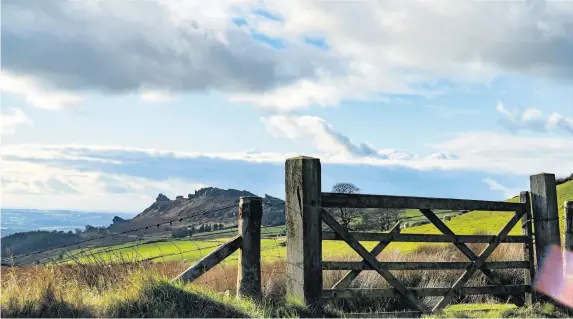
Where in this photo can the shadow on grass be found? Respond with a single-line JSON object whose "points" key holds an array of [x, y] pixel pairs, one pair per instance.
{"points": [[168, 301], [47, 306], [160, 300]]}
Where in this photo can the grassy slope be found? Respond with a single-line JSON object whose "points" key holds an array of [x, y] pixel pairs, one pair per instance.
{"points": [[492, 222], [192, 250]]}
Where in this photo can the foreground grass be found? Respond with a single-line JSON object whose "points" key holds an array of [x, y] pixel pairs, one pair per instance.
{"points": [[134, 291], [147, 294], [144, 290], [538, 310]]}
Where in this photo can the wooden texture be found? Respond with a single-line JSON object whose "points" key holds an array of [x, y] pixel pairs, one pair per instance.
{"points": [[462, 247], [528, 250], [545, 213], [402, 202], [427, 238], [350, 276], [372, 262], [568, 225], [249, 272], [303, 228], [424, 292], [211, 260], [359, 266], [458, 285]]}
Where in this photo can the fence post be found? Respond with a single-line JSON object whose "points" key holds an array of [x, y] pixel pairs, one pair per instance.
{"points": [[545, 213], [569, 225], [304, 231], [249, 272], [528, 250]]}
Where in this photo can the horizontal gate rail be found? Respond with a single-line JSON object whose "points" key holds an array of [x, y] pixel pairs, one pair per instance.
{"points": [[331, 200], [357, 265], [424, 292], [430, 238]]}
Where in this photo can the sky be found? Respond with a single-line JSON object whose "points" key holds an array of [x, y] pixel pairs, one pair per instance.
{"points": [[105, 104]]}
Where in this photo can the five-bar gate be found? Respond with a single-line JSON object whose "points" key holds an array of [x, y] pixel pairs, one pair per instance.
{"points": [[306, 211]]}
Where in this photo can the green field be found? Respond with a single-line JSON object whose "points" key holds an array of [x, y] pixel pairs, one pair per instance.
{"points": [[196, 247]]}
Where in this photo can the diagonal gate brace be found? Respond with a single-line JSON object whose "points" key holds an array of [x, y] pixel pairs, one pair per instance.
{"points": [[473, 267], [351, 275], [372, 262]]}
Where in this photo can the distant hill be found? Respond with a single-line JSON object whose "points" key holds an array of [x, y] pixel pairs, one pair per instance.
{"points": [[24, 220], [206, 206]]}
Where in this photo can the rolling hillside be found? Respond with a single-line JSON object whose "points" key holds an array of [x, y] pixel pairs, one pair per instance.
{"points": [[493, 222]]}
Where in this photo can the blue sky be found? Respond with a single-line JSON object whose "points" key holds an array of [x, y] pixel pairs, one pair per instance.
{"points": [[105, 104]]}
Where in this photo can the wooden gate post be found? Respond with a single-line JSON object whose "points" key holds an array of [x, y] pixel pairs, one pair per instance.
{"points": [[569, 225], [249, 273], [545, 213], [528, 250], [304, 231]]}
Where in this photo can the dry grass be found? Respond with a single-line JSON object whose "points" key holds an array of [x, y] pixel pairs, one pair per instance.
{"points": [[132, 289]]}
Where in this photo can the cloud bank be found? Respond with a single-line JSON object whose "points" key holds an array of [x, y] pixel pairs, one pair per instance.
{"points": [[285, 54]]}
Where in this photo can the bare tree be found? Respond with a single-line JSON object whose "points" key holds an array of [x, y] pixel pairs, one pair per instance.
{"points": [[380, 219], [385, 218], [345, 215]]}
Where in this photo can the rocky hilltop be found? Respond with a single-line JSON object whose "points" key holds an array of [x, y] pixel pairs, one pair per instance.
{"points": [[206, 205]]}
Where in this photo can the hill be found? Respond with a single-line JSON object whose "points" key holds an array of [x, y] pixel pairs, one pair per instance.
{"points": [[493, 222], [205, 206]]}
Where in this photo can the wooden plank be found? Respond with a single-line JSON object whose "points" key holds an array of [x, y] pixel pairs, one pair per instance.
{"points": [[528, 250], [304, 230], [545, 213], [211, 260], [492, 277], [350, 276], [424, 238], [473, 267], [403, 202], [359, 266], [423, 292], [568, 225], [249, 268], [368, 258]]}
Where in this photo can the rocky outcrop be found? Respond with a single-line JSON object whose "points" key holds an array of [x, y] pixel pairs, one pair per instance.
{"points": [[162, 198], [117, 220], [208, 205]]}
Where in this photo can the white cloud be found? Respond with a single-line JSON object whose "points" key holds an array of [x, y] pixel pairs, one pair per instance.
{"points": [[374, 47], [12, 118], [157, 96], [560, 121], [533, 119], [495, 186], [58, 188], [495, 152], [476, 151], [36, 96], [325, 138]]}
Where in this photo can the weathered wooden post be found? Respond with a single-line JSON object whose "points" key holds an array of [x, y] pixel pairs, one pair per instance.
{"points": [[249, 273], [568, 225], [545, 213], [304, 231], [528, 250]]}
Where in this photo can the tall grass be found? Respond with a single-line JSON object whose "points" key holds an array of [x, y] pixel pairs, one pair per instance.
{"points": [[130, 289]]}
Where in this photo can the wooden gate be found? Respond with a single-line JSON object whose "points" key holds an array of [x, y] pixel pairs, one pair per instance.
{"points": [[306, 210], [340, 290]]}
